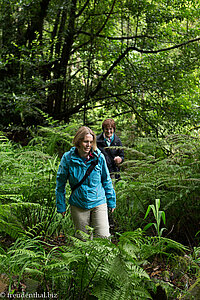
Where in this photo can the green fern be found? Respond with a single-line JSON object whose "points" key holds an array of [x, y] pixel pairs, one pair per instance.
{"points": [[168, 170], [98, 267], [104, 268], [29, 219], [93, 267]]}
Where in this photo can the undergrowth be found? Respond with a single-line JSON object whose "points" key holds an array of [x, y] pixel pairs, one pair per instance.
{"points": [[37, 243]]}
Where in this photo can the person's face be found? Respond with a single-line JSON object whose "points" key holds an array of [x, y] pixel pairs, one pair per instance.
{"points": [[85, 145], [108, 131]]}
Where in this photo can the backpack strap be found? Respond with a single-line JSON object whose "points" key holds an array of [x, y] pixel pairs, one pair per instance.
{"points": [[87, 173]]}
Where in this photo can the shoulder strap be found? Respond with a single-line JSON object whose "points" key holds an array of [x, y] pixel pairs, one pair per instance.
{"points": [[87, 173]]}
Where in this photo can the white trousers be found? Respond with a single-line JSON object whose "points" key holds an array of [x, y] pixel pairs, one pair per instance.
{"points": [[96, 218]]}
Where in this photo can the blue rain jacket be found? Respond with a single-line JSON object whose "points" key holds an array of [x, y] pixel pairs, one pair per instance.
{"points": [[97, 189]]}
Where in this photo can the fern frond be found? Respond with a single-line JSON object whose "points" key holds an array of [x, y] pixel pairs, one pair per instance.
{"points": [[33, 273]]}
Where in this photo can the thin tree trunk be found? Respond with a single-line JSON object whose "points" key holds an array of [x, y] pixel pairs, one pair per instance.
{"points": [[61, 67]]}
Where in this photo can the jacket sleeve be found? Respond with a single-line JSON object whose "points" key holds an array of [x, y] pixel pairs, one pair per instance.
{"points": [[107, 184], [120, 151], [61, 179]]}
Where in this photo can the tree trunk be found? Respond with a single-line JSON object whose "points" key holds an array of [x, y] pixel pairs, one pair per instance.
{"points": [[61, 66], [39, 11]]}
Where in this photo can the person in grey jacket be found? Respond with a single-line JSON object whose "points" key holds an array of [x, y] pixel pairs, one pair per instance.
{"points": [[105, 140], [89, 202]]}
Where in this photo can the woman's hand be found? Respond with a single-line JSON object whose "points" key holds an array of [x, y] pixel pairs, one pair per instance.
{"points": [[63, 213], [117, 160]]}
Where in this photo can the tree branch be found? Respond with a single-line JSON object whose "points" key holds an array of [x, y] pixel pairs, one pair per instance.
{"points": [[136, 112], [82, 9], [117, 38], [95, 34], [104, 24], [164, 49], [128, 49]]}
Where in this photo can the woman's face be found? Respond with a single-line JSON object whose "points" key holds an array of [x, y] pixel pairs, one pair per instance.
{"points": [[108, 131], [85, 145]]}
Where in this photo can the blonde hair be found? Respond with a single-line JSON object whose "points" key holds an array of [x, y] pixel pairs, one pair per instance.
{"points": [[80, 135]]}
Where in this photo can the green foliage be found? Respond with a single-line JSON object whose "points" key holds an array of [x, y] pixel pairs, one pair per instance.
{"points": [[27, 192], [158, 215], [55, 137], [79, 269], [69, 58], [166, 169], [27, 172], [143, 248], [95, 267], [43, 248]]}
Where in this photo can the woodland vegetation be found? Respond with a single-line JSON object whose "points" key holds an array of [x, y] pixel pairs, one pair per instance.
{"points": [[73, 62]]}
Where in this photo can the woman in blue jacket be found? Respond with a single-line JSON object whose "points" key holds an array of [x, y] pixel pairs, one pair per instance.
{"points": [[90, 200]]}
